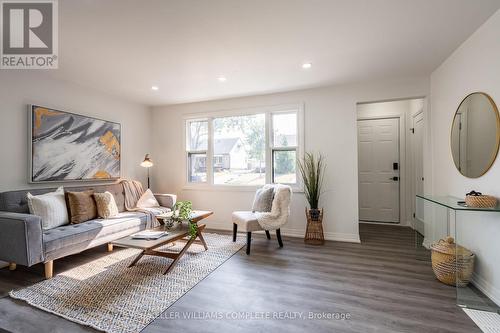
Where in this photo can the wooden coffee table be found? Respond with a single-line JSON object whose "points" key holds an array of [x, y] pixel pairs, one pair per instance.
{"points": [[181, 234]]}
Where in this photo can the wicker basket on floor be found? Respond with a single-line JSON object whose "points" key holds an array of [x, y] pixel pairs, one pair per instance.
{"points": [[452, 264], [314, 230]]}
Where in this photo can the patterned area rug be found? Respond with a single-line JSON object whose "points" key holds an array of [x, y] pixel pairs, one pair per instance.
{"points": [[108, 296]]}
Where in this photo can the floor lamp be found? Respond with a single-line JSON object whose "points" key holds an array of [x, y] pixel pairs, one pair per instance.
{"points": [[147, 163]]}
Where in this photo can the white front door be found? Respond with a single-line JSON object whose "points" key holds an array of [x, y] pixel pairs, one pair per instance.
{"points": [[378, 167]]}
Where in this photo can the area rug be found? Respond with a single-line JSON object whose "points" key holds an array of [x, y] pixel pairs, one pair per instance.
{"points": [[107, 295]]}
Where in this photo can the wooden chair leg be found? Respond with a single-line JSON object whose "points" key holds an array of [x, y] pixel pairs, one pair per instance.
{"points": [[278, 235], [235, 230], [249, 241], [268, 235], [12, 266], [49, 269], [110, 247]]}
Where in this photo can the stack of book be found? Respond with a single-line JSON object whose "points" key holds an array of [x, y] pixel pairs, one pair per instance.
{"points": [[149, 235]]}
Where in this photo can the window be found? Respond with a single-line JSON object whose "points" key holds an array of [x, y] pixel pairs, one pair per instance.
{"points": [[239, 150], [245, 148], [197, 146], [284, 147]]}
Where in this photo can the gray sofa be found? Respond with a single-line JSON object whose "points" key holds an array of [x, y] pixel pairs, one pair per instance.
{"points": [[23, 242]]}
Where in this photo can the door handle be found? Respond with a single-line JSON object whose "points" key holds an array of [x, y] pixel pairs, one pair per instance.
{"points": [[395, 178]]}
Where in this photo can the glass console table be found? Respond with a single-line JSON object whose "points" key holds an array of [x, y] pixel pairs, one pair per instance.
{"points": [[437, 217]]}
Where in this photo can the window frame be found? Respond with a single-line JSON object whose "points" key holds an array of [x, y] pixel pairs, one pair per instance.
{"points": [[274, 149], [268, 112], [189, 152]]}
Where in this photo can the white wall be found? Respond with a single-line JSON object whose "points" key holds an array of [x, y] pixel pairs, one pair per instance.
{"points": [[402, 109], [19, 88], [474, 66], [330, 128]]}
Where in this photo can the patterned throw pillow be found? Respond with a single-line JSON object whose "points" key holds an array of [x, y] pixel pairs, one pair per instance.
{"points": [[263, 201], [51, 207], [147, 200], [106, 205], [82, 206]]}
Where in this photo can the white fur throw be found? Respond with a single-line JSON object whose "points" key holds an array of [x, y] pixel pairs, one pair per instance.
{"points": [[278, 216]]}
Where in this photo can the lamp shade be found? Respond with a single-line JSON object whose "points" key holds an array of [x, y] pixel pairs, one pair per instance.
{"points": [[147, 163]]}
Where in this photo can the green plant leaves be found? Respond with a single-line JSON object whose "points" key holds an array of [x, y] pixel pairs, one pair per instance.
{"points": [[182, 212], [312, 169]]}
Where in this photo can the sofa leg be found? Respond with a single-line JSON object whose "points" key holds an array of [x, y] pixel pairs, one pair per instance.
{"points": [[110, 247], [235, 230], [268, 235], [249, 241], [49, 269], [278, 235], [12, 266]]}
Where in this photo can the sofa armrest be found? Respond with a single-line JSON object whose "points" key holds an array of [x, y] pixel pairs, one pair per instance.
{"points": [[21, 238], [166, 200]]}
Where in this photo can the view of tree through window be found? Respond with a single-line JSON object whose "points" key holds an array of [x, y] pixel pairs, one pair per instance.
{"points": [[239, 150], [197, 145], [198, 136], [284, 148]]}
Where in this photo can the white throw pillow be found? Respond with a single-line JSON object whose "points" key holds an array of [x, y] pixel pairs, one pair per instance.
{"points": [[147, 200], [263, 200], [51, 207], [106, 205]]}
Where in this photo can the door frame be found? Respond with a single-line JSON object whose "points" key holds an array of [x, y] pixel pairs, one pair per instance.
{"points": [[402, 162], [413, 185]]}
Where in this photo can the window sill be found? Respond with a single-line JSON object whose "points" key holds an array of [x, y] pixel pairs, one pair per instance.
{"points": [[229, 188]]}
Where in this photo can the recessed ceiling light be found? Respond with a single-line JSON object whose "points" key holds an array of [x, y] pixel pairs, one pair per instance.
{"points": [[306, 65], [155, 88], [222, 78]]}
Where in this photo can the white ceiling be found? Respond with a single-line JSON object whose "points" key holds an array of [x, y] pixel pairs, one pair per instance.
{"points": [[124, 47]]}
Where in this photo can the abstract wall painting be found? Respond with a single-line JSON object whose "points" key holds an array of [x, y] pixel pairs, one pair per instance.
{"points": [[71, 147]]}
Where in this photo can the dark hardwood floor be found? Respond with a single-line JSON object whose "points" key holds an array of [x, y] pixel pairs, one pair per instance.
{"points": [[379, 284]]}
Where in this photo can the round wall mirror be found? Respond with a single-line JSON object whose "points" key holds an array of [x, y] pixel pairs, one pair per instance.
{"points": [[475, 135]]}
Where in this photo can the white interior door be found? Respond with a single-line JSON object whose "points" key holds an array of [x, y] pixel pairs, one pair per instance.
{"points": [[378, 167]]}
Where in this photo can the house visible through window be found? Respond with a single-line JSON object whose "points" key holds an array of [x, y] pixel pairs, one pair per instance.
{"points": [[239, 146], [241, 151]]}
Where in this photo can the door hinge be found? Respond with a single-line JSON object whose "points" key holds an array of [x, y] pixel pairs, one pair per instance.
{"points": [[413, 215], [412, 130]]}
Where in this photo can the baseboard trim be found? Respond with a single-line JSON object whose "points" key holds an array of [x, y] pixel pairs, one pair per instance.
{"points": [[486, 288], [298, 233]]}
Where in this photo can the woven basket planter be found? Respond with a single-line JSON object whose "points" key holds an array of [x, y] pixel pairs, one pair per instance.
{"points": [[314, 230], [452, 264], [480, 201]]}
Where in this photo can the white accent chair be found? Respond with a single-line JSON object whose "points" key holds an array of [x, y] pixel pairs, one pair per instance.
{"points": [[248, 221]]}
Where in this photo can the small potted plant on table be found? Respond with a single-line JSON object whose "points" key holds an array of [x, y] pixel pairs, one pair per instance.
{"points": [[312, 169], [182, 211]]}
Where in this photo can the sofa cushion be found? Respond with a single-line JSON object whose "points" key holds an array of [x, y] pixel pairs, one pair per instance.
{"points": [[16, 201], [67, 235], [106, 205], [147, 200], [81, 206], [51, 207]]}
